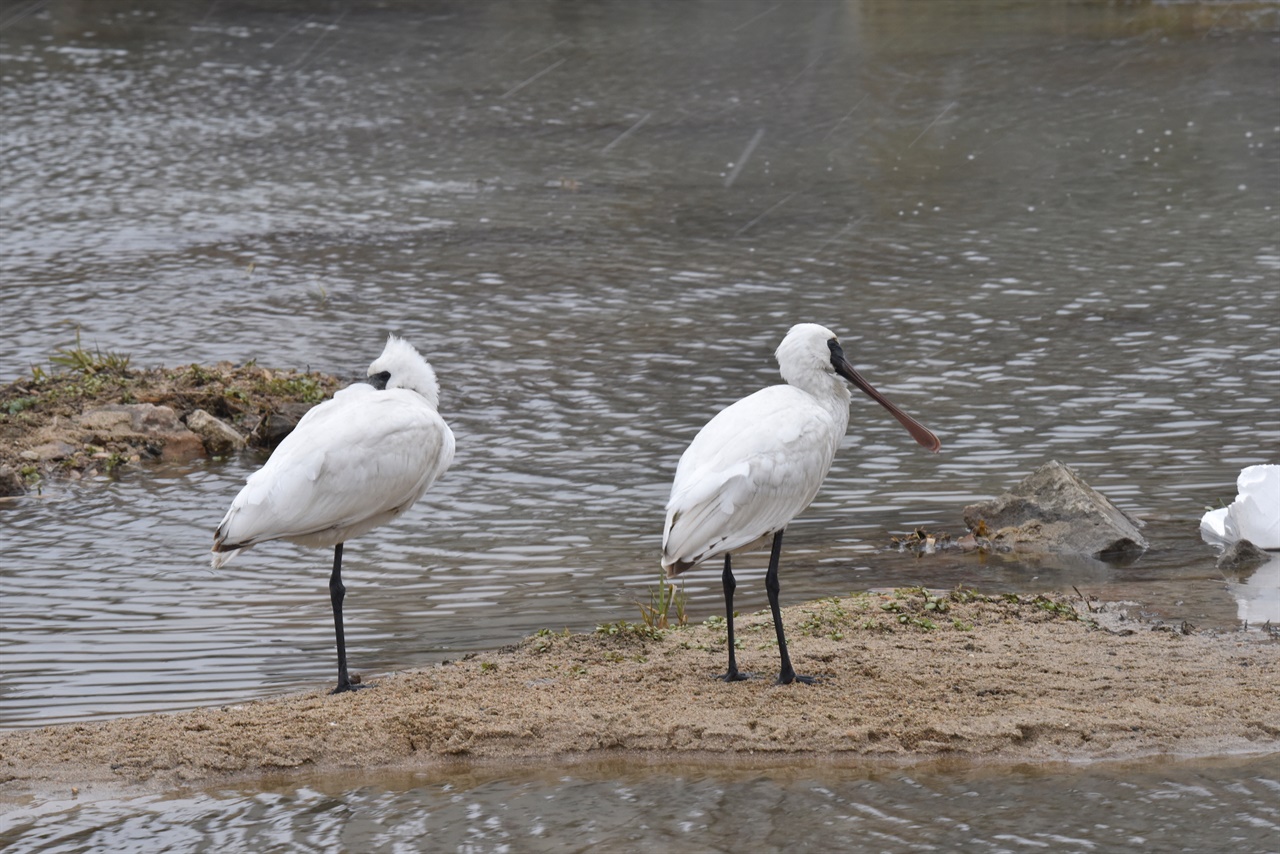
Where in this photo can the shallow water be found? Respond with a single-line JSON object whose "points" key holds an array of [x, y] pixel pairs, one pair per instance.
{"points": [[1228, 804], [1046, 232]]}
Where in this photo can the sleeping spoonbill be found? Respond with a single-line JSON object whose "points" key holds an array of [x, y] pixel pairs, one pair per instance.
{"points": [[351, 464], [1253, 516], [760, 461]]}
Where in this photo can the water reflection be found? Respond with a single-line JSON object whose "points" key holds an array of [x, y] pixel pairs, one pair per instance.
{"points": [[1257, 593]]}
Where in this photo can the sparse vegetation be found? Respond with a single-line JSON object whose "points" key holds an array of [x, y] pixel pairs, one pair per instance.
{"points": [[1057, 608], [304, 387], [916, 608], [658, 611], [622, 628], [18, 404], [42, 411], [544, 640], [79, 360]]}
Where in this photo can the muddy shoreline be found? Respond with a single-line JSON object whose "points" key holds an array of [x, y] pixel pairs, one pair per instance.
{"points": [[1004, 679], [104, 415]]}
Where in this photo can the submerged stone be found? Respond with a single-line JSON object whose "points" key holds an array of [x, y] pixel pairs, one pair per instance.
{"points": [[10, 482], [1242, 555], [1053, 510], [49, 451]]}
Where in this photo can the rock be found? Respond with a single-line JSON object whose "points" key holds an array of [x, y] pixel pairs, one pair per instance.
{"points": [[113, 419], [143, 418], [49, 451], [1242, 555], [11, 482], [156, 428], [182, 447], [281, 422], [219, 438], [1053, 510]]}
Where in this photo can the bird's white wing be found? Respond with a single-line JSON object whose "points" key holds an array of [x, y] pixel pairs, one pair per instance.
{"points": [[354, 458], [747, 473], [1255, 514]]}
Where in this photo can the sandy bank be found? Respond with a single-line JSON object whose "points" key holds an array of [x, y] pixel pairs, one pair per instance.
{"points": [[999, 678]]}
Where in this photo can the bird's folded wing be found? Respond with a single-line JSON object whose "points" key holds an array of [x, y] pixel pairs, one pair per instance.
{"points": [[749, 471], [347, 460]]}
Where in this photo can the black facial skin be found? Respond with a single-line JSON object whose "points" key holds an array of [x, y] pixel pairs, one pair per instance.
{"points": [[837, 353], [379, 381]]}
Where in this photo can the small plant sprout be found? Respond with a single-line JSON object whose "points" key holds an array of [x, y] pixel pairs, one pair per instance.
{"points": [[624, 629], [666, 598], [81, 361]]}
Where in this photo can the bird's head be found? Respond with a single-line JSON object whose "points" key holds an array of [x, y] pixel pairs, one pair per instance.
{"points": [[401, 366], [811, 351], [804, 351]]}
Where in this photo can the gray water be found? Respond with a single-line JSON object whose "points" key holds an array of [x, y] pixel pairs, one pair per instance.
{"points": [[1047, 231], [1231, 805]]}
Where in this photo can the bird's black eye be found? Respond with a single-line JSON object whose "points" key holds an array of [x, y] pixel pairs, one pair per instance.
{"points": [[379, 381]]}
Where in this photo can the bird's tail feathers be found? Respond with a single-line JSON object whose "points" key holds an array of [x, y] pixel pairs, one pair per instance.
{"points": [[222, 556], [675, 567]]}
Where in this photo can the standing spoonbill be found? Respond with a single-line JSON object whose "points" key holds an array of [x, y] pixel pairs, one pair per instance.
{"points": [[760, 461], [351, 464]]}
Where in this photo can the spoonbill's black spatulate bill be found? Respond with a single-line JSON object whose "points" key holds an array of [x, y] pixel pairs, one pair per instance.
{"points": [[760, 461], [352, 464]]}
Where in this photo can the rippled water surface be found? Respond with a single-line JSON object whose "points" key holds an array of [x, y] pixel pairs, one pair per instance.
{"points": [[1045, 230], [1214, 805]]}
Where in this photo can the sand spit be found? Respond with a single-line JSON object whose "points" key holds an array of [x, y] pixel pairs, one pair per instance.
{"points": [[907, 675]]}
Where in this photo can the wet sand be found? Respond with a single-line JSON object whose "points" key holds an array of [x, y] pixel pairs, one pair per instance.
{"points": [[976, 678]]}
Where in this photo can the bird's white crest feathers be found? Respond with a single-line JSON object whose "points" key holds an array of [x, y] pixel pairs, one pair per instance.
{"points": [[407, 369]]}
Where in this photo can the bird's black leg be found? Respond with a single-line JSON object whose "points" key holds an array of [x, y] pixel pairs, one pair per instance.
{"points": [[336, 594], [788, 674], [730, 585]]}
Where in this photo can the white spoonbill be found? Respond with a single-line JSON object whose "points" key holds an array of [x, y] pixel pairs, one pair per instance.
{"points": [[1254, 515], [351, 464], [760, 461]]}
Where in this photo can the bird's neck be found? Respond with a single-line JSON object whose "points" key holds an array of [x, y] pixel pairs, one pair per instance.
{"points": [[423, 381], [827, 390]]}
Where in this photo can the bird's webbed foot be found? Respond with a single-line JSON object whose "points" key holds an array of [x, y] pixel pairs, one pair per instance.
{"points": [[344, 687], [788, 678], [735, 676]]}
